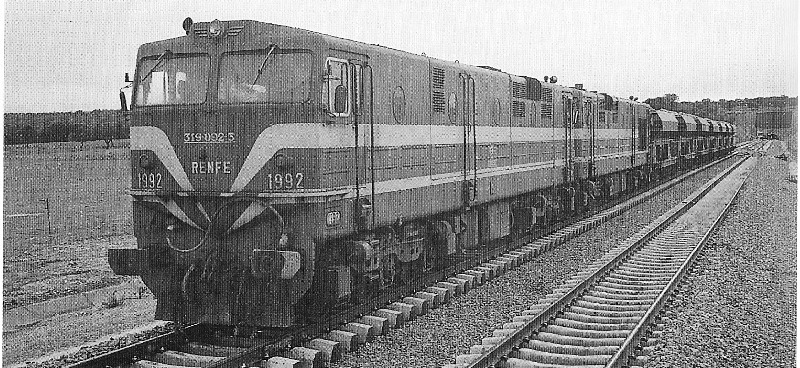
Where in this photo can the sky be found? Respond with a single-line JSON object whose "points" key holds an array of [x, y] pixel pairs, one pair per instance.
{"points": [[71, 55]]}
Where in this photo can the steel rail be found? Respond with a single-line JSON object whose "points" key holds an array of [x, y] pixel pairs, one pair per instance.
{"points": [[627, 350], [139, 349], [501, 350]]}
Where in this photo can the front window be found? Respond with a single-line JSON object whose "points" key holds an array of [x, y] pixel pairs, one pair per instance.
{"points": [[175, 80], [269, 75]]}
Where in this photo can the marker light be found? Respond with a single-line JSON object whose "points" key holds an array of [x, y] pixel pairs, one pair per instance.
{"points": [[215, 29], [145, 161], [187, 24]]}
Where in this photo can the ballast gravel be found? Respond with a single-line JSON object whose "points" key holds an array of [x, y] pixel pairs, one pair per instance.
{"points": [[437, 338], [739, 307], [77, 355], [56, 335]]}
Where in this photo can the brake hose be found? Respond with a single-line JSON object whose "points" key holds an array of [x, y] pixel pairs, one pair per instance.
{"points": [[214, 219]]}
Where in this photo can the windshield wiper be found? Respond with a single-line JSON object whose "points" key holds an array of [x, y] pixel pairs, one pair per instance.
{"points": [[264, 63], [164, 55]]}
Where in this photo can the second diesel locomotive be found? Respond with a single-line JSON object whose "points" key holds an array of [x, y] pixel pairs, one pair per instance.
{"points": [[277, 172]]}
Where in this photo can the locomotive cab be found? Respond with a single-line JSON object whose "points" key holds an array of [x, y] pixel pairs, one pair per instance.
{"points": [[225, 122]]}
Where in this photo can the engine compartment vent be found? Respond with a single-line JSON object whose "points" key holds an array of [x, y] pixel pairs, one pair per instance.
{"points": [[518, 90], [437, 101], [547, 103], [518, 109], [437, 86], [437, 78]]}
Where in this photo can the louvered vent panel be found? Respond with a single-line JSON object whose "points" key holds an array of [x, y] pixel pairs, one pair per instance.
{"points": [[233, 31], [437, 83], [518, 90], [547, 95], [438, 78], [518, 109], [547, 103], [438, 101]]}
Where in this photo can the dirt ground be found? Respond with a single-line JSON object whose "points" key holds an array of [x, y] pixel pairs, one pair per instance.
{"points": [[89, 211], [74, 329]]}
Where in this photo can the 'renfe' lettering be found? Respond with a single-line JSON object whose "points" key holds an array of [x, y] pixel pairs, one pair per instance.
{"points": [[211, 167]]}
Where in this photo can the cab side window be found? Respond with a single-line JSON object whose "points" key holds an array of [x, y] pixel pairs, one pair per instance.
{"points": [[337, 90]]}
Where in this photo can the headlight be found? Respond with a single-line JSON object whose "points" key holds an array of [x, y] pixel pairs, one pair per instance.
{"points": [[333, 218], [215, 29], [145, 160]]}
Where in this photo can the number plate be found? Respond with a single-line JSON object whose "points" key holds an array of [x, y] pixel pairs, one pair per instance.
{"points": [[149, 181], [209, 138], [285, 181]]}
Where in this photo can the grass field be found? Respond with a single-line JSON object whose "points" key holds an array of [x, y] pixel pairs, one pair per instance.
{"points": [[86, 188]]}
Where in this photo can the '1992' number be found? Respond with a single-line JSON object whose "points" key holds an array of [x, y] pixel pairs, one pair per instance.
{"points": [[285, 181], [150, 181]]}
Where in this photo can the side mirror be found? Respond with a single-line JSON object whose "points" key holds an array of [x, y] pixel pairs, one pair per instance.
{"points": [[127, 78], [340, 99], [123, 101]]}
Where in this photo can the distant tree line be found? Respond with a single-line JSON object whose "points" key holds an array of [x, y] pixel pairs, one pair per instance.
{"points": [[78, 126]]}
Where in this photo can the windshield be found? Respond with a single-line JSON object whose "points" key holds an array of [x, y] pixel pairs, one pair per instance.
{"points": [[175, 80], [284, 78]]}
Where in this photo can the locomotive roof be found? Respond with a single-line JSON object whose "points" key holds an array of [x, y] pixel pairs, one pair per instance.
{"points": [[251, 33]]}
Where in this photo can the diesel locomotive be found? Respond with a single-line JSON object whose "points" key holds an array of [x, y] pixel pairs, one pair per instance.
{"points": [[278, 172]]}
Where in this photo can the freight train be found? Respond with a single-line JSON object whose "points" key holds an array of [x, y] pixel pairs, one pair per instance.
{"points": [[277, 172]]}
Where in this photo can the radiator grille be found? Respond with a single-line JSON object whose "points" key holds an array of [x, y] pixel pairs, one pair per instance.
{"points": [[437, 77], [518, 90], [547, 103], [518, 109], [437, 94], [438, 101]]}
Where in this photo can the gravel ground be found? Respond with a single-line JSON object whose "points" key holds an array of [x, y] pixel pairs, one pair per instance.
{"points": [[738, 310], [436, 338], [41, 272], [74, 329]]}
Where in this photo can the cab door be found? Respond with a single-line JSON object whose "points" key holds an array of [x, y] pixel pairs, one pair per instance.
{"points": [[589, 119], [349, 86], [568, 105], [361, 89], [470, 147]]}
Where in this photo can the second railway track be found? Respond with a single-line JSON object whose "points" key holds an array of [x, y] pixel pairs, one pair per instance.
{"points": [[604, 316]]}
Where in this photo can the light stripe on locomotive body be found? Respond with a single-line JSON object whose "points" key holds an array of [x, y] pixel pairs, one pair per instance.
{"points": [[317, 137]]}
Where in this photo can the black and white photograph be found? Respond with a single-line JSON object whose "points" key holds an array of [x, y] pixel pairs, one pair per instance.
{"points": [[366, 184]]}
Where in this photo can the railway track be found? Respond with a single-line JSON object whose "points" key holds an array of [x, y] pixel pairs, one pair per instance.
{"points": [[604, 316], [343, 331]]}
